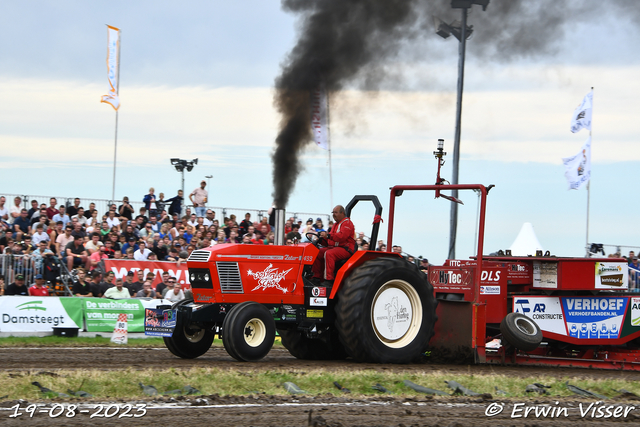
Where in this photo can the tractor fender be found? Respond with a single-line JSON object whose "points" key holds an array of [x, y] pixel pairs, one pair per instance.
{"points": [[357, 259]]}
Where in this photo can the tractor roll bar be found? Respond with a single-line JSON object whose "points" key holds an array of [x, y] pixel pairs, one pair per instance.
{"points": [[397, 191], [376, 203]]}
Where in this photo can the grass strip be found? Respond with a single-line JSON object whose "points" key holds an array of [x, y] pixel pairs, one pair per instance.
{"points": [[211, 380]]}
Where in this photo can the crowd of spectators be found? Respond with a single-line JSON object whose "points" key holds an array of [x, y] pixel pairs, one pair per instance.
{"points": [[81, 238]]}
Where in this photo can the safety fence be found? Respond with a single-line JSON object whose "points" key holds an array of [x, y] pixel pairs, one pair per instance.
{"points": [[102, 206]]}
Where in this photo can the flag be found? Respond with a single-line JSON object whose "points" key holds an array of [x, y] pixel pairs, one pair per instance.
{"points": [[319, 110], [582, 116], [113, 67], [578, 167]]}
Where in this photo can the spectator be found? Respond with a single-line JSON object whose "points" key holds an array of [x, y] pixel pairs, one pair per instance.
{"points": [[210, 217], [424, 265], [40, 236], [61, 216], [78, 232], [108, 249], [117, 292], [77, 255], [634, 274], [146, 231], [4, 212], [14, 211], [150, 202], [131, 243], [318, 227], [21, 225], [245, 224], [107, 282], [95, 286], [130, 232], [173, 255], [34, 209], [171, 283], [142, 254], [125, 210], [81, 288], [160, 204], [79, 217], [98, 256], [40, 254], [73, 209], [176, 204], [113, 221], [88, 213], [294, 233], [160, 287], [2, 287], [38, 289], [155, 225], [246, 239], [41, 219], [63, 240], [199, 198], [18, 287], [94, 244], [175, 294], [146, 291], [129, 284]]}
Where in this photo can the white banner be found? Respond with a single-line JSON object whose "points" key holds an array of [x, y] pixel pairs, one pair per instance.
{"points": [[582, 115], [39, 314], [319, 125], [578, 167], [113, 68]]}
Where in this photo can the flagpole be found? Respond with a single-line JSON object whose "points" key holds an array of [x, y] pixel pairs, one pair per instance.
{"points": [[589, 183], [115, 144], [329, 152]]}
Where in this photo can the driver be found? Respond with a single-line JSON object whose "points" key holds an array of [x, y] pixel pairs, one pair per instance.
{"points": [[340, 245]]}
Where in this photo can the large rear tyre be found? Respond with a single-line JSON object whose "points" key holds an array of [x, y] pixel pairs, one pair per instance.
{"points": [[248, 332], [188, 341], [386, 312], [304, 348], [521, 332]]}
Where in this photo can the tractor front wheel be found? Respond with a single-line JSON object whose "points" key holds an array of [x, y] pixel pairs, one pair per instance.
{"points": [[248, 332], [188, 341], [386, 312]]}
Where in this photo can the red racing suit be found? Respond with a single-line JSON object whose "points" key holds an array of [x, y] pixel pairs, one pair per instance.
{"points": [[341, 246]]}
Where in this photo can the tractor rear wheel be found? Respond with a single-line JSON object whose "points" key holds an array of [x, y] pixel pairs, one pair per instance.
{"points": [[305, 348], [386, 312], [188, 341], [521, 332], [248, 332]]}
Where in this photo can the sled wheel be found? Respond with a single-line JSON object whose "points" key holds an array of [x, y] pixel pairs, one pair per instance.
{"points": [[248, 332], [301, 347], [521, 332], [386, 312], [188, 341]]}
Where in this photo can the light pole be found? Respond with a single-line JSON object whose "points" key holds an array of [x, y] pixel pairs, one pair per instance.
{"points": [[208, 184], [180, 166], [461, 32]]}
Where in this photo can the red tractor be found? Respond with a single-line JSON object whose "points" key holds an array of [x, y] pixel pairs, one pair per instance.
{"points": [[383, 309]]}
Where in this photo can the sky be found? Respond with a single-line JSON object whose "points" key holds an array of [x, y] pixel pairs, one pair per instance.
{"points": [[197, 81]]}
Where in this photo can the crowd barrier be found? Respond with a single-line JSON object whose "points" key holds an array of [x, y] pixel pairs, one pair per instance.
{"points": [[43, 314]]}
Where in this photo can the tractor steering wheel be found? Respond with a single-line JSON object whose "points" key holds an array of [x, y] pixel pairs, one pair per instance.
{"points": [[313, 238]]}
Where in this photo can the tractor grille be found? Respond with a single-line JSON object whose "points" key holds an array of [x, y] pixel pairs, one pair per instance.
{"points": [[229, 276], [200, 256]]}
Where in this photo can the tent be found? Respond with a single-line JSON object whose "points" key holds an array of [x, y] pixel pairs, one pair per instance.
{"points": [[526, 243]]}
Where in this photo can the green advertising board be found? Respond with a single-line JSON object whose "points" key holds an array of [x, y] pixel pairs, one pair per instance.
{"points": [[102, 314]]}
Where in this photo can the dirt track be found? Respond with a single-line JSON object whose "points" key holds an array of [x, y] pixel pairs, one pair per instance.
{"points": [[292, 410]]}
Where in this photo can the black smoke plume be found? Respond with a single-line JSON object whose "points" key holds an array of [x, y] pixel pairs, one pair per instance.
{"points": [[349, 42]]}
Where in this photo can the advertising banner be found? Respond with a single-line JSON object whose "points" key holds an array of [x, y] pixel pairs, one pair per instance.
{"points": [[612, 275], [102, 314], [578, 317], [39, 314], [121, 267], [159, 322]]}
